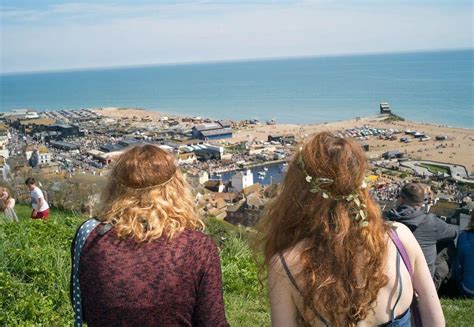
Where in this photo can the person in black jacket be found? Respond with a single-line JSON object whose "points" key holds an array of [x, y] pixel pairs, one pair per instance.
{"points": [[429, 230]]}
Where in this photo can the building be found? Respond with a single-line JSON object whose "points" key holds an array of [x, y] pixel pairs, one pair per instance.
{"points": [[64, 145], [5, 153], [214, 185], [65, 130], [247, 211], [32, 126], [104, 158], [394, 154], [204, 152], [283, 139], [4, 136], [385, 108], [212, 131], [37, 155], [197, 178], [111, 148], [242, 180], [186, 158]]}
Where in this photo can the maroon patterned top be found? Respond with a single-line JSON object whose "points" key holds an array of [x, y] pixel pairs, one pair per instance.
{"points": [[161, 283]]}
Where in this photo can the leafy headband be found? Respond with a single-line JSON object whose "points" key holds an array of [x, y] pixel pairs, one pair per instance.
{"points": [[359, 213]]}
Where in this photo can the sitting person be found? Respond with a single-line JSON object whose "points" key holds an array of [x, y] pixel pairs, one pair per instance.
{"points": [[332, 260], [7, 205], [464, 265], [146, 263], [429, 230]]}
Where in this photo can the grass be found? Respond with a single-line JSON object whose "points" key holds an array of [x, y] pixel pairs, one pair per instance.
{"points": [[458, 312], [34, 274], [435, 169]]}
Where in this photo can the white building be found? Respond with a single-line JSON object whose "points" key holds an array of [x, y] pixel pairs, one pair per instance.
{"points": [[242, 180], [5, 153], [44, 156]]}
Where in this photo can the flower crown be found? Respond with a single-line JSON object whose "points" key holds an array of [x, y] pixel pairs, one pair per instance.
{"points": [[316, 183]]}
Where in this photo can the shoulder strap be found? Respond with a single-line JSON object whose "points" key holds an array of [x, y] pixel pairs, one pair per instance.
{"points": [[288, 272], [403, 252], [80, 238], [400, 290], [293, 281]]}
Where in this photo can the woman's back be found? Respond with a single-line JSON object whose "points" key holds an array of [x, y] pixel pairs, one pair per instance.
{"points": [[283, 289], [151, 284]]}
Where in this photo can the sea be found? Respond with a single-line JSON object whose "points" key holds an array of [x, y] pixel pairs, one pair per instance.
{"points": [[433, 87]]}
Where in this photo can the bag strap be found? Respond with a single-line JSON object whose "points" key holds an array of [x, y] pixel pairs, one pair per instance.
{"points": [[79, 239], [403, 252]]}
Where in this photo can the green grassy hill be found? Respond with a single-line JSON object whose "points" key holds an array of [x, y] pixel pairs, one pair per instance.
{"points": [[34, 274]]}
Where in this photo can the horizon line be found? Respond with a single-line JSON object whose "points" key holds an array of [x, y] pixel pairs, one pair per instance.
{"points": [[224, 61]]}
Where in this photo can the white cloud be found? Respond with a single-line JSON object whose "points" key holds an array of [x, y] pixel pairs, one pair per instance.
{"points": [[88, 35]]}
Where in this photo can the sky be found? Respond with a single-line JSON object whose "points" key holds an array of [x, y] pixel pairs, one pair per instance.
{"points": [[41, 35]]}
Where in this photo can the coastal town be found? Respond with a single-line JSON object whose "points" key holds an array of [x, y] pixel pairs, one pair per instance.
{"points": [[234, 167]]}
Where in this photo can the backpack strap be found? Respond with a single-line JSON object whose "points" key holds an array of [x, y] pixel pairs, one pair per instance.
{"points": [[79, 239]]}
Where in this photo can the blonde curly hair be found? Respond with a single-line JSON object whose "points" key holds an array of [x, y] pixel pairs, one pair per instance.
{"points": [[147, 196]]}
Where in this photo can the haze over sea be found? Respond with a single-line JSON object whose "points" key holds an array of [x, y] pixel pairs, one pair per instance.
{"points": [[435, 87]]}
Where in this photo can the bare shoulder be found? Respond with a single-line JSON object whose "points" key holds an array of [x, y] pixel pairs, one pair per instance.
{"points": [[403, 231], [290, 257], [408, 239]]}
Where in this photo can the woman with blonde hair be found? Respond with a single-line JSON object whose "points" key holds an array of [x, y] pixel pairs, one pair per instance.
{"points": [[144, 261], [331, 258], [7, 205]]}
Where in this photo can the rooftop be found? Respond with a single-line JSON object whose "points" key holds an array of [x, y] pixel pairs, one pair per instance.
{"points": [[220, 131]]}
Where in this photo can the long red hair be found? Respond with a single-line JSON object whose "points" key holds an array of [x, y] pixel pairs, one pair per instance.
{"points": [[342, 264]]}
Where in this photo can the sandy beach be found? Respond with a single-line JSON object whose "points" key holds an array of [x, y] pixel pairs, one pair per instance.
{"points": [[128, 113], [457, 149]]}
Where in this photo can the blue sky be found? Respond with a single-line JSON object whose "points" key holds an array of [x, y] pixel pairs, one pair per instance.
{"points": [[51, 34]]}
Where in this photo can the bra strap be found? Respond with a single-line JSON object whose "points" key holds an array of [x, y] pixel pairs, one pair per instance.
{"points": [[399, 282], [288, 273], [293, 281]]}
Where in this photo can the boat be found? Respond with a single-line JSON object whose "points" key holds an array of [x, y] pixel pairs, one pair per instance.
{"points": [[265, 168], [261, 173], [283, 168], [261, 177], [271, 122]]}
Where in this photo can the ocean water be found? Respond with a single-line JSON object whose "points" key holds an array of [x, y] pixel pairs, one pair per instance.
{"points": [[435, 87]]}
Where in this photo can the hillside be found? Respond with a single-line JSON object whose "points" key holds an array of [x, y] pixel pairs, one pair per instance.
{"points": [[34, 274]]}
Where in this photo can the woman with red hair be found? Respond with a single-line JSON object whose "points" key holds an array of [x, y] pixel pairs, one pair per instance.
{"points": [[331, 258]]}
